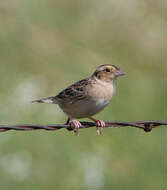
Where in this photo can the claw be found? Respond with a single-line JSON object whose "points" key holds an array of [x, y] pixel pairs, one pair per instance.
{"points": [[100, 125], [76, 124]]}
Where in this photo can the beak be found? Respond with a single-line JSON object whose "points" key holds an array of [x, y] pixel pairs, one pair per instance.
{"points": [[119, 73]]}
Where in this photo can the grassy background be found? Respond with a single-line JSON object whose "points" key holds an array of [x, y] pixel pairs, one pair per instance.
{"points": [[46, 45]]}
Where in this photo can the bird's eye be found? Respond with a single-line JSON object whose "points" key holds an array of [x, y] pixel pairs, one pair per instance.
{"points": [[107, 70]]}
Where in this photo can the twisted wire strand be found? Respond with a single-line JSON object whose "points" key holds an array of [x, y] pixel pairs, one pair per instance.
{"points": [[147, 126]]}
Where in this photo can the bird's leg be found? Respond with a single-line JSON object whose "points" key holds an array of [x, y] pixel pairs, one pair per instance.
{"points": [[74, 124], [100, 125], [67, 123]]}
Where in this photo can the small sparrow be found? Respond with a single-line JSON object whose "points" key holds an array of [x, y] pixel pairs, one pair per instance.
{"points": [[87, 97]]}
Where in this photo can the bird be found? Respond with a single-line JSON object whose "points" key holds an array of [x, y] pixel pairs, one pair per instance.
{"points": [[87, 97]]}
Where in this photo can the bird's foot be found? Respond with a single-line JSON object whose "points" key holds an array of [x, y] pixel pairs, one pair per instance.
{"points": [[76, 125], [100, 125]]}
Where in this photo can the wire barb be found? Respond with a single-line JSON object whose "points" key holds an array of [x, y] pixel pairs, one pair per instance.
{"points": [[147, 126]]}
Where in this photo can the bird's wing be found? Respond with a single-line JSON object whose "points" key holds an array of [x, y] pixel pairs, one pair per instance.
{"points": [[75, 92], [70, 95]]}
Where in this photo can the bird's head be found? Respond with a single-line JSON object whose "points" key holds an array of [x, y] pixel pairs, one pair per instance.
{"points": [[108, 73]]}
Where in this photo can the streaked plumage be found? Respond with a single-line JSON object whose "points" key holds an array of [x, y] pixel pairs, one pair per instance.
{"points": [[87, 97]]}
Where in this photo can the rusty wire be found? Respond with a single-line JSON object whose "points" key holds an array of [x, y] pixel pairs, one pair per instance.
{"points": [[147, 126]]}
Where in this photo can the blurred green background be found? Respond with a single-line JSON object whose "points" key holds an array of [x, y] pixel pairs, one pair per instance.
{"points": [[46, 45]]}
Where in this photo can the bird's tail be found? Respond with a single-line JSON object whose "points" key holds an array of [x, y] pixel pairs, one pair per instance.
{"points": [[49, 100]]}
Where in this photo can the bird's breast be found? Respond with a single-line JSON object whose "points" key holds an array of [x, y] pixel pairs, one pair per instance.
{"points": [[102, 92]]}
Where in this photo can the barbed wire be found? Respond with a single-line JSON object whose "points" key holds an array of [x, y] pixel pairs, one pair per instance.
{"points": [[147, 126]]}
